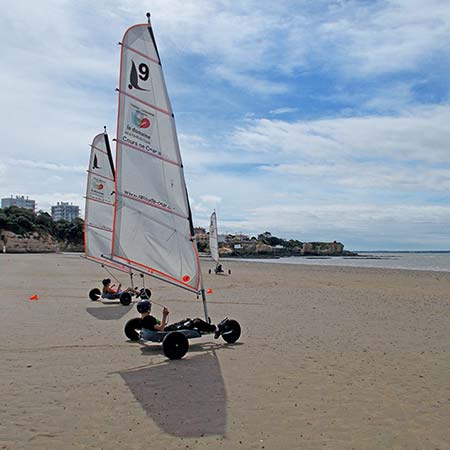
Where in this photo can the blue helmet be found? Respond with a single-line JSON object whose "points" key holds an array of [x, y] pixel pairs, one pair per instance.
{"points": [[143, 306]]}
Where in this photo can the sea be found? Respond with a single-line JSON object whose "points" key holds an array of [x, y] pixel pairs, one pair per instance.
{"points": [[434, 261]]}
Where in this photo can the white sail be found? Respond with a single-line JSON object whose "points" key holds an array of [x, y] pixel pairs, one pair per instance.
{"points": [[213, 238], [152, 228], [99, 206]]}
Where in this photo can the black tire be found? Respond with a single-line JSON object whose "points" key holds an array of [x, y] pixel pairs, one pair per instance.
{"points": [[95, 294], [147, 295], [175, 345], [125, 298], [131, 328], [232, 331], [209, 271], [229, 271]]}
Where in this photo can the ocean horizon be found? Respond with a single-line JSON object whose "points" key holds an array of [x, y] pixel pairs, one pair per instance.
{"points": [[436, 261]]}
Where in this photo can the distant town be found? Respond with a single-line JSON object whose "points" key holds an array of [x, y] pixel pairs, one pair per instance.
{"points": [[60, 211], [25, 230]]}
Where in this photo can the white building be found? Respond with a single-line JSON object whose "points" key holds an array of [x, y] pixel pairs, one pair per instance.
{"points": [[19, 201], [64, 211]]}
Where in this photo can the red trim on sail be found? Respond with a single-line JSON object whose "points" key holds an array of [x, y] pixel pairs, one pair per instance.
{"points": [[151, 270], [145, 202], [199, 270], [162, 158], [141, 54], [98, 175], [145, 103]]}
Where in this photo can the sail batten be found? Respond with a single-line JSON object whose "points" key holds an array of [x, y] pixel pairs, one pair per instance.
{"points": [[131, 49], [156, 108], [152, 220], [99, 149], [150, 154], [152, 205], [100, 176]]}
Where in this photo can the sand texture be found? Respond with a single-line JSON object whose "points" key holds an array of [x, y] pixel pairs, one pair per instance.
{"points": [[330, 357]]}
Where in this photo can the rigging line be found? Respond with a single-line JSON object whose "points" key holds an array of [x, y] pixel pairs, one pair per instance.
{"points": [[106, 268]]}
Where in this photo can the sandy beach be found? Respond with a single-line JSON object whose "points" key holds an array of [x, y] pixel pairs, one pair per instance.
{"points": [[330, 357]]}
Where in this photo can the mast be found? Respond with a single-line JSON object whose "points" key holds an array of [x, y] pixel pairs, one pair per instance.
{"points": [[108, 149]]}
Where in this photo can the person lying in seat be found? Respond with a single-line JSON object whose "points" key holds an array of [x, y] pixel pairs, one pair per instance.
{"points": [[111, 294], [150, 322]]}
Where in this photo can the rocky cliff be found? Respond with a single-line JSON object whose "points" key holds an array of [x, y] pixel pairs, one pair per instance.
{"points": [[260, 249], [33, 243]]}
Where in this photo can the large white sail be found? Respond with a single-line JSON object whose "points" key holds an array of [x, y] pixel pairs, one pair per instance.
{"points": [[152, 228], [213, 238], [99, 206]]}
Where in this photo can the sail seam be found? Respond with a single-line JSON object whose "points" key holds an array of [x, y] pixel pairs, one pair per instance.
{"points": [[156, 108], [99, 149], [162, 158], [100, 201], [99, 228], [142, 54], [162, 208], [98, 175]]}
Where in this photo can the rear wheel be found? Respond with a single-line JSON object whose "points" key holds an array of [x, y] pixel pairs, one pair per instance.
{"points": [[95, 294], [232, 331], [175, 345], [209, 271], [132, 328], [125, 298], [229, 271]]}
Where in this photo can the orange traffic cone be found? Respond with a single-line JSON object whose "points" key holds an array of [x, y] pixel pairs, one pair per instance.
{"points": [[34, 297]]}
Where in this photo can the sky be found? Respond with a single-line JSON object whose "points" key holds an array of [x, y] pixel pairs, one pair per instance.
{"points": [[314, 120]]}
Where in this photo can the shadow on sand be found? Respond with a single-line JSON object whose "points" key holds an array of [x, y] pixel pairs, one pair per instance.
{"points": [[185, 398], [113, 312]]}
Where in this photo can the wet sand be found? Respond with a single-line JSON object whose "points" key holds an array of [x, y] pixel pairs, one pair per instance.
{"points": [[330, 357]]}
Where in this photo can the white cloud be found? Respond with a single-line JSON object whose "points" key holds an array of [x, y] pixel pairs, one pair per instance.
{"points": [[418, 134], [211, 199], [45, 165], [285, 110]]}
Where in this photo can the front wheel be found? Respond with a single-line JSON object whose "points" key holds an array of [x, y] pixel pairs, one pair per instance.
{"points": [[125, 298], [95, 294], [232, 331], [175, 345], [229, 271], [209, 271], [132, 328]]}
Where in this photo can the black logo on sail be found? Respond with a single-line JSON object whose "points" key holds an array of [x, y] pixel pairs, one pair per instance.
{"points": [[95, 164], [141, 73]]}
